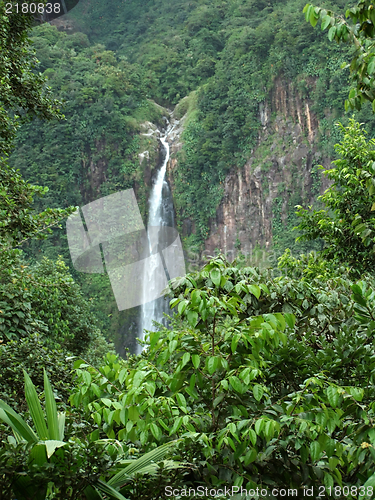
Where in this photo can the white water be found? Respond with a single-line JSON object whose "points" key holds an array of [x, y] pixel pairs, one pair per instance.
{"points": [[152, 310]]}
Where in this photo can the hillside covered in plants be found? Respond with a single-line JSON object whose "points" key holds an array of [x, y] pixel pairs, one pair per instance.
{"points": [[264, 377], [257, 97]]}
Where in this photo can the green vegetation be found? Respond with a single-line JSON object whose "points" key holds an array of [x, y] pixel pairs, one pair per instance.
{"points": [[45, 464], [260, 381], [358, 31], [346, 225], [268, 380], [218, 63], [224, 56]]}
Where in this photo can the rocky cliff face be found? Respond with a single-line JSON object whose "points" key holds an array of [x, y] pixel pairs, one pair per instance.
{"points": [[280, 174]]}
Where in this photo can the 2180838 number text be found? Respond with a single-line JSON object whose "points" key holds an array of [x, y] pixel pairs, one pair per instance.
{"points": [[32, 8]]}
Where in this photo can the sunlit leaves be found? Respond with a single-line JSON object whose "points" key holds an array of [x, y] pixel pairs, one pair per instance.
{"points": [[215, 276], [220, 379]]}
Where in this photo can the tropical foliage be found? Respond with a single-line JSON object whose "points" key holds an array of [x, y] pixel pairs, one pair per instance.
{"points": [[45, 463], [261, 380], [358, 29], [346, 224], [270, 381]]}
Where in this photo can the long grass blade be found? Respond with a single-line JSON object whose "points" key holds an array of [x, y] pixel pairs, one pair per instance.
{"points": [[61, 422], [51, 410], [149, 459], [109, 490], [35, 408], [18, 425]]}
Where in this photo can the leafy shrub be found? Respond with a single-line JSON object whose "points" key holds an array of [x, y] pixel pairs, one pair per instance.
{"points": [[41, 464], [267, 379]]}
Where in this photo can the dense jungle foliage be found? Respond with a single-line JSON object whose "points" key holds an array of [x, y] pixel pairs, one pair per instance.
{"points": [[262, 381], [217, 62]]}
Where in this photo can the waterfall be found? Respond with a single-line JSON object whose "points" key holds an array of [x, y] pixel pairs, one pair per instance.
{"points": [[161, 213]]}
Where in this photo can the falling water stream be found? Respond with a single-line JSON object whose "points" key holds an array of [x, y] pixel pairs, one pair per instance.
{"points": [[161, 213]]}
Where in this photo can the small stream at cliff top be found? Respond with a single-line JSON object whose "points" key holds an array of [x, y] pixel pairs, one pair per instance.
{"points": [[161, 213]]}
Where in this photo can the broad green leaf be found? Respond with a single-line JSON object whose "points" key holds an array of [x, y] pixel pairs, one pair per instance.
{"points": [[35, 408], [371, 66], [52, 445], [212, 364], [192, 392], [86, 378], [326, 21], [280, 318], [177, 424], [236, 384], [138, 378], [192, 317], [268, 429], [133, 413], [308, 10], [258, 392], [328, 480], [123, 373], [195, 297], [156, 431], [313, 18], [215, 276], [290, 319], [181, 400], [185, 359], [255, 290], [18, 425], [196, 360], [259, 425], [173, 344], [122, 416], [38, 454], [315, 451], [250, 456], [332, 33], [96, 390], [356, 392], [252, 436], [333, 396], [182, 306], [174, 302]]}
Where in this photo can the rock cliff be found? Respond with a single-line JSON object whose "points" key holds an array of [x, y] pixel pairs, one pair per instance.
{"points": [[281, 173]]}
